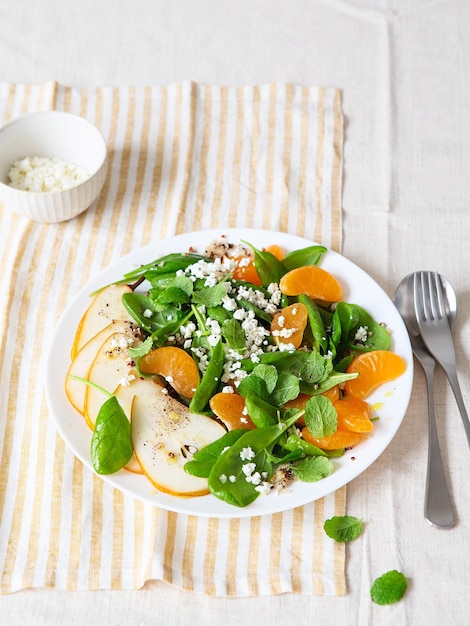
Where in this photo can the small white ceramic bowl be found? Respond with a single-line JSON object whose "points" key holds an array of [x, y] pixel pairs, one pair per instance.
{"points": [[52, 134]]}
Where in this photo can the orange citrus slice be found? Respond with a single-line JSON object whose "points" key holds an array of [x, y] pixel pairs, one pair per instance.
{"points": [[175, 365], [289, 324], [374, 368], [312, 281]]}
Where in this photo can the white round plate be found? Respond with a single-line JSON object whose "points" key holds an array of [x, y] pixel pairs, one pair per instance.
{"points": [[390, 401]]}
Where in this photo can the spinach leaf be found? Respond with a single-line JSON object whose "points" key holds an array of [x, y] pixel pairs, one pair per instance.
{"points": [[316, 324], [234, 335], [268, 267], [228, 477], [261, 412], [141, 350], [305, 256], [168, 264], [335, 378], [378, 336], [204, 459], [111, 443], [210, 380], [294, 442], [136, 304]]}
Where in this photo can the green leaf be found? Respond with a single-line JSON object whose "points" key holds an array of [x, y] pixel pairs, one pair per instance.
{"points": [[111, 443], [304, 256], [234, 335], [320, 417], [168, 264], [268, 267], [316, 368], [313, 468], [144, 348], [343, 528], [316, 324], [335, 378], [269, 374], [389, 588], [211, 296], [287, 388], [253, 385], [294, 442], [204, 459], [210, 380], [261, 413]]}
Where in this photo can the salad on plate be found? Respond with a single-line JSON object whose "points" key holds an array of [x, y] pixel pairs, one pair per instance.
{"points": [[235, 371]]}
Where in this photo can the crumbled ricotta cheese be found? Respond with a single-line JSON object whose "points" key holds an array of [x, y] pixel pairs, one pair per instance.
{"points": [[126, 381], [43, 174]]}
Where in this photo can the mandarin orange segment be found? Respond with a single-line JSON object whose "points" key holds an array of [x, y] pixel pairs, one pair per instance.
{"points": [[276, 251], [175, 365], [354, 415], [374, 368], [332, 394], [336, 441], [312, 281], [289, 324], [230, 408], [245, 270]]}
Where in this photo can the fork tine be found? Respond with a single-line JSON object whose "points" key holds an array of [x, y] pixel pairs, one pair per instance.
{"points": [[431, 295], [441, 303], [418, 296]]}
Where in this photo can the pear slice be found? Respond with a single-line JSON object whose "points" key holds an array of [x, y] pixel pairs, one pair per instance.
{"points": [[125, 395], [110, 366], [105, 307], [165, 434], [80, 366]]}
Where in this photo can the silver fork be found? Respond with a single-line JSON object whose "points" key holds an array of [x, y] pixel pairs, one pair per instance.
{"points": [[434, 326]]}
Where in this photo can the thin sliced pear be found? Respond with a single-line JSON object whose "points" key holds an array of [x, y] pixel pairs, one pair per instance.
{"points": [[105, 307], [165, 435], [125, 395], [110, 366], [80, 366]]}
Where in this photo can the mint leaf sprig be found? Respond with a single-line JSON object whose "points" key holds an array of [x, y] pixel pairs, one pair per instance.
{"points": [[343, 528], [389, 588]]}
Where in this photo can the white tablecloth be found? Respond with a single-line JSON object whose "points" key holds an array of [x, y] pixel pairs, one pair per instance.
{"points": [[403, 71]]}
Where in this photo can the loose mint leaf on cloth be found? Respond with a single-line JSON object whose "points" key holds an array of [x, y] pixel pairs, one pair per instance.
{"points": [[389, 588], [343, 528]]}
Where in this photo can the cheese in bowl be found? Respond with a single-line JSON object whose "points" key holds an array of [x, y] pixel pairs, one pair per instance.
{"points": [[52, 165], [45, 174]]}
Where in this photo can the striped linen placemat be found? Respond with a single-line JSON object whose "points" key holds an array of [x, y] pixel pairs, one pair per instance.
{"points": [[183, 157]]}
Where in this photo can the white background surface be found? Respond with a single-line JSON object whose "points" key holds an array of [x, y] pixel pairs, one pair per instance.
{"points": [[403, 68]]}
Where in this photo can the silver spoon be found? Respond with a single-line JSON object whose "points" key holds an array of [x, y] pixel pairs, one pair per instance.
{"points": [[437, 504]]}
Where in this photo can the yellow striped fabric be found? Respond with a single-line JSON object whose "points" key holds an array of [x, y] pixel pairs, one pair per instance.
{"points": [[183, 157]]}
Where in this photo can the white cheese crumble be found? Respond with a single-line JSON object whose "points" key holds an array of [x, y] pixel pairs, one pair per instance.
{"points": [[247, 454], [126, 381], [41, 174], [362, 334]]}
